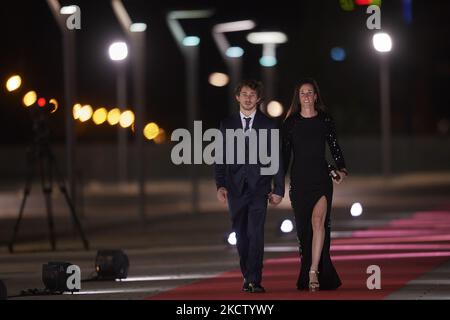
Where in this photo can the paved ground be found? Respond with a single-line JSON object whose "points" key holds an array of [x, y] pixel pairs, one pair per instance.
{"points": [[175, 246]]}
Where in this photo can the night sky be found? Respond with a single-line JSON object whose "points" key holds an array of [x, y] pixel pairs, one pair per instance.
{"points": [[420, 62]]}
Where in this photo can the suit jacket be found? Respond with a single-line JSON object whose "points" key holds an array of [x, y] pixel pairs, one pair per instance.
{"points": [[234, 176]]}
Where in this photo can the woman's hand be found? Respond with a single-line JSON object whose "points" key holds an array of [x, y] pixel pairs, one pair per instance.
{"points": [[342, 174]]}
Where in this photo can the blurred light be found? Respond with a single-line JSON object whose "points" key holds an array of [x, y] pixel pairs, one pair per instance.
{"points": [[286, 226], [114, 116], [407, 11], [266, 37], [85, 113], [126, 119], [274, 109], [175, 26], [234, 26], [29, 98], [356, 209], [338, 54], [100, 116], [218, 79], [190, 14], [268, 61], [382, 42], [347, 5], [368, 2], [41, 102], [191, 41], [161, 137], [231, 239], [13, 83], [76, 111], [138, 27], [55, 104], [118, 51], [234, 52], [151, 130], [68, 10]]}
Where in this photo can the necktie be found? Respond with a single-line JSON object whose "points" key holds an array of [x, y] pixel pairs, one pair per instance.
{"points": [[247, 123], [247, 127]]}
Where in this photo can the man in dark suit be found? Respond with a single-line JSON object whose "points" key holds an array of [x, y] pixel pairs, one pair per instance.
{"points": [[244, 187]]}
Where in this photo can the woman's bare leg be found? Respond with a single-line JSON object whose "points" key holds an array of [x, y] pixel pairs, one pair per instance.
{"points": [[318, 225]]}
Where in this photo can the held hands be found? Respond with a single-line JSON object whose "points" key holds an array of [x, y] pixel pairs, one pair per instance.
{"points": [[274, 199], [222, 194]]}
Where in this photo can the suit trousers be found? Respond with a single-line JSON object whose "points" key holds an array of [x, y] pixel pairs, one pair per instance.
{"points": [[248, 215]]}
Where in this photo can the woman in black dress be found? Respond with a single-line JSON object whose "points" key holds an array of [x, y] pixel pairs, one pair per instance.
{"points": [[306, 130]]}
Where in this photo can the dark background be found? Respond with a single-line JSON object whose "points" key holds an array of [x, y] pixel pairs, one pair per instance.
{"points": [[420, 62]]}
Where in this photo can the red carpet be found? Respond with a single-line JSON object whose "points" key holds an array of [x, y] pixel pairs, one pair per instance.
{"points": [[404, 249]]}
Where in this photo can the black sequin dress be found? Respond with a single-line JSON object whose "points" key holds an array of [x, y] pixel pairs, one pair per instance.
{"points": [[305, 138]]}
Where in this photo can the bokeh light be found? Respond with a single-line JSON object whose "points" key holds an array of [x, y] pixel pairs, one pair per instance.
{"points": [[85, 113], [151, 130], [13, 83], [274, 109], [218, 79], [126, 119], [114, 116], [29, 98], [100, 116]]}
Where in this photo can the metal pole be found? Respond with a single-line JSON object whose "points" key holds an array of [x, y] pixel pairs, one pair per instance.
{"points": [[234, 64], [137, 40], [385, 115], [69, 67], [122, 133], [269, 81], [191, 56], [138, 44], [70, 89], [235, 69]]}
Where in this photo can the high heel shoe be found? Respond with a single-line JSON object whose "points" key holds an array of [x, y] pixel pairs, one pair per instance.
{"points": [[313, 285]]}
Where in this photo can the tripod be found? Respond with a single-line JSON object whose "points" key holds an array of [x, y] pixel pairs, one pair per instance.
{"points": [[40, 155]]}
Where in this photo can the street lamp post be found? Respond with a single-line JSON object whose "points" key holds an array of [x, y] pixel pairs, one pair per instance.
{"points": [[188, 46], [118, 52], [383, 44], [138, 36], [268, 60], [231, 55], [68, 39], [136, 33]]}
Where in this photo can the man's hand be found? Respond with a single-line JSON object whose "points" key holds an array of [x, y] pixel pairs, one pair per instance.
{"points": [[222, 194], [274, 199]]}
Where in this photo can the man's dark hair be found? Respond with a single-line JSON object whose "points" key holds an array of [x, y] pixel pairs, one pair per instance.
{"points": [[252, 84]]}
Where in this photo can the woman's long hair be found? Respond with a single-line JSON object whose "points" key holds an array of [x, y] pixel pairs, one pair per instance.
{"points": [[295, 104]]}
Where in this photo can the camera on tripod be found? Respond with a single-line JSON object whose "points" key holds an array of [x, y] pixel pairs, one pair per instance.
{"points": [[41, 161], [40, 112], [45, 106]]}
